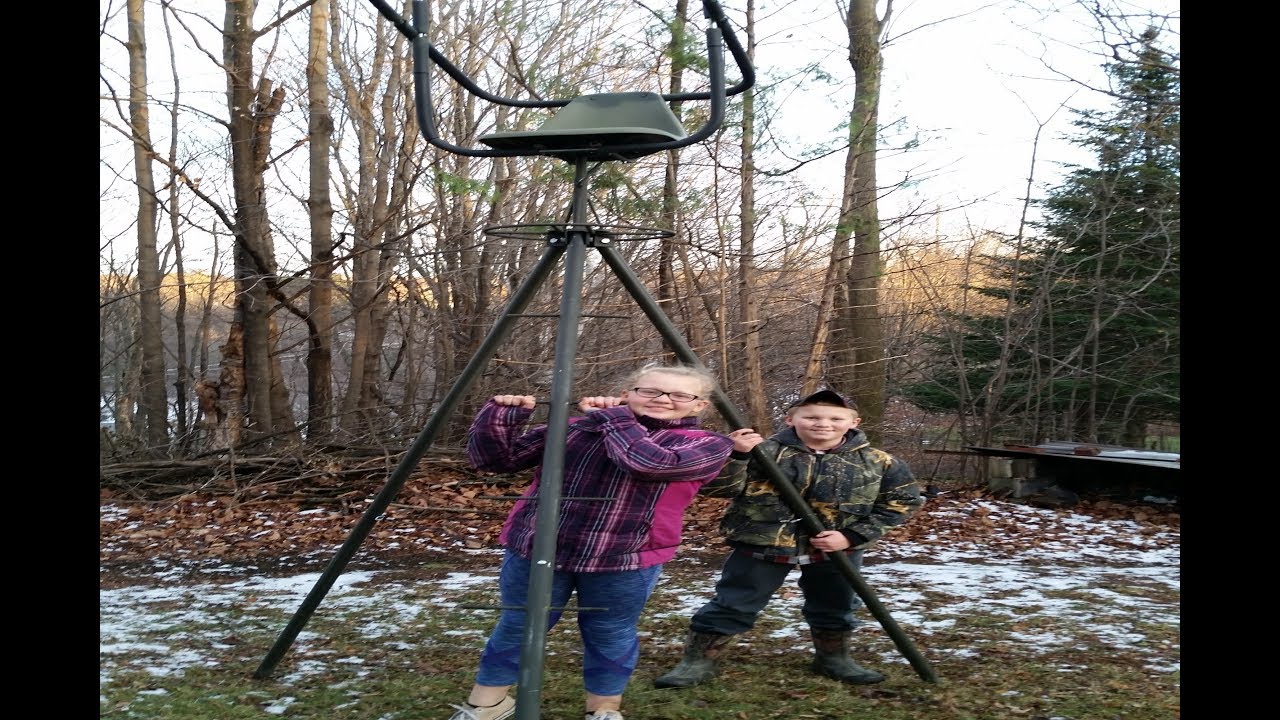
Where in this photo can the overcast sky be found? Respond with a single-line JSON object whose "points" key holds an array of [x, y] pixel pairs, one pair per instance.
{"points": [[972, 81]]}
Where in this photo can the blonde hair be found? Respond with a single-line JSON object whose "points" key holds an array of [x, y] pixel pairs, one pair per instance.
{"points": [[706, 379]]}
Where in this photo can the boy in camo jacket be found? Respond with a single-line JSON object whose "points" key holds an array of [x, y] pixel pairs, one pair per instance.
{"points": [[856, 491]]}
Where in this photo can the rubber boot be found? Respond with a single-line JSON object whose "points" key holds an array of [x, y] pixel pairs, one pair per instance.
{"points": [[833, 659], [699, 663]]}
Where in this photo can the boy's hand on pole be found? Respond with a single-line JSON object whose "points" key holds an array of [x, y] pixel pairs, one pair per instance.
{"points": [[830, 541]]}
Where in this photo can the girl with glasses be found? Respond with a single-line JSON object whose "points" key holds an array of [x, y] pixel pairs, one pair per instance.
{"points": [[633, 464]]}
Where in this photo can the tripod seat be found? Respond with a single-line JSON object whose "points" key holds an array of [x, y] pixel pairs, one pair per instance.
{"points": [[590, 125]]}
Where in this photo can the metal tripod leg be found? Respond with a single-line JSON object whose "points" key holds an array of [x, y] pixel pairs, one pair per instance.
{"points": [[547, 517], [501, 330], [789, 492], [538, 604]]}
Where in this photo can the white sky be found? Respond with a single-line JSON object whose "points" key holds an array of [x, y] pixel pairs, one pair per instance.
{"points": [[1097, 559], [972, 81]]}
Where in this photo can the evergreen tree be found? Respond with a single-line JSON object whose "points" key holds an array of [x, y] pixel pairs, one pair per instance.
{"points": [[1089, 347]]}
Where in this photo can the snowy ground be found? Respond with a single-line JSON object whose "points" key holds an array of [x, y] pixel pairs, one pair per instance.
{"points": [[1064, 574]]}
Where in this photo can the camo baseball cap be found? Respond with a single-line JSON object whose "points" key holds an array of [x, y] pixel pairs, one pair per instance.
{"points": [[825, 397]]}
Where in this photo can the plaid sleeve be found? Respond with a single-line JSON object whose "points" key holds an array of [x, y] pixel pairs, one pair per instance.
{"points": [[497, 441], [669, 456]]}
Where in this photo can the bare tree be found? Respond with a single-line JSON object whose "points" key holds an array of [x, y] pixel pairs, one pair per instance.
{"points": [[391, 284], [748, 296], [253, 103], [320, 207], [375, 196], [153, 391], [666, 295], [184, 383], [858, 341]]}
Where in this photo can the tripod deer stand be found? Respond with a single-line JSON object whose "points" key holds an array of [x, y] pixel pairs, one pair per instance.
{"points": [[586, 129]]}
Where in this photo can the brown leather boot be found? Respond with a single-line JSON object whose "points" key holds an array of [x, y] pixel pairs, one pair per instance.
{"points": [[833, 659], [699, 664]]}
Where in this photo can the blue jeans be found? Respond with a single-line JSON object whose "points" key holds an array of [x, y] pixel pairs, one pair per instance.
{"points": [[610, 642]]}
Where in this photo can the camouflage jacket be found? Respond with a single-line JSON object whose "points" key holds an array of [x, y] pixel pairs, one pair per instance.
{"points": [[854, 488]]}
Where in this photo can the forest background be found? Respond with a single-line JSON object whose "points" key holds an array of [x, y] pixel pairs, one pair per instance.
{"points": [[298, 268]]}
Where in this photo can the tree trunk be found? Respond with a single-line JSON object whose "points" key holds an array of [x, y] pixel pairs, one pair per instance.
{"points": [[320, 208], [666, 295], [384, 128], [209, 391], [153, 397], [251, 115], [185, 381], [861, 333], [822, 323], [231, 385], [749, 308]]}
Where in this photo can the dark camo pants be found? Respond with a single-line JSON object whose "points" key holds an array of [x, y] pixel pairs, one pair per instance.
{"points": [[746, 585]]}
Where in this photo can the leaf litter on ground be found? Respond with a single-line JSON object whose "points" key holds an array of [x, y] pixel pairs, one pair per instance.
{"points": [[194, 586]]}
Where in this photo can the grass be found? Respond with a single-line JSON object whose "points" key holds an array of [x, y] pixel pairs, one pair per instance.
{"points": [[364, 659]]}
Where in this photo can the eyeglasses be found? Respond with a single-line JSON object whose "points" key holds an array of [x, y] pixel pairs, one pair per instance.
{"points": [[651, 393]]}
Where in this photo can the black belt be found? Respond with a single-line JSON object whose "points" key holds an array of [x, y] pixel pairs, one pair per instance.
{"points": [[816, 557]]}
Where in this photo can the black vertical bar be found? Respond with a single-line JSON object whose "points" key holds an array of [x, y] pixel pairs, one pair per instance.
{"points": [[547, 519], [789, 492], [501, 329]]}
